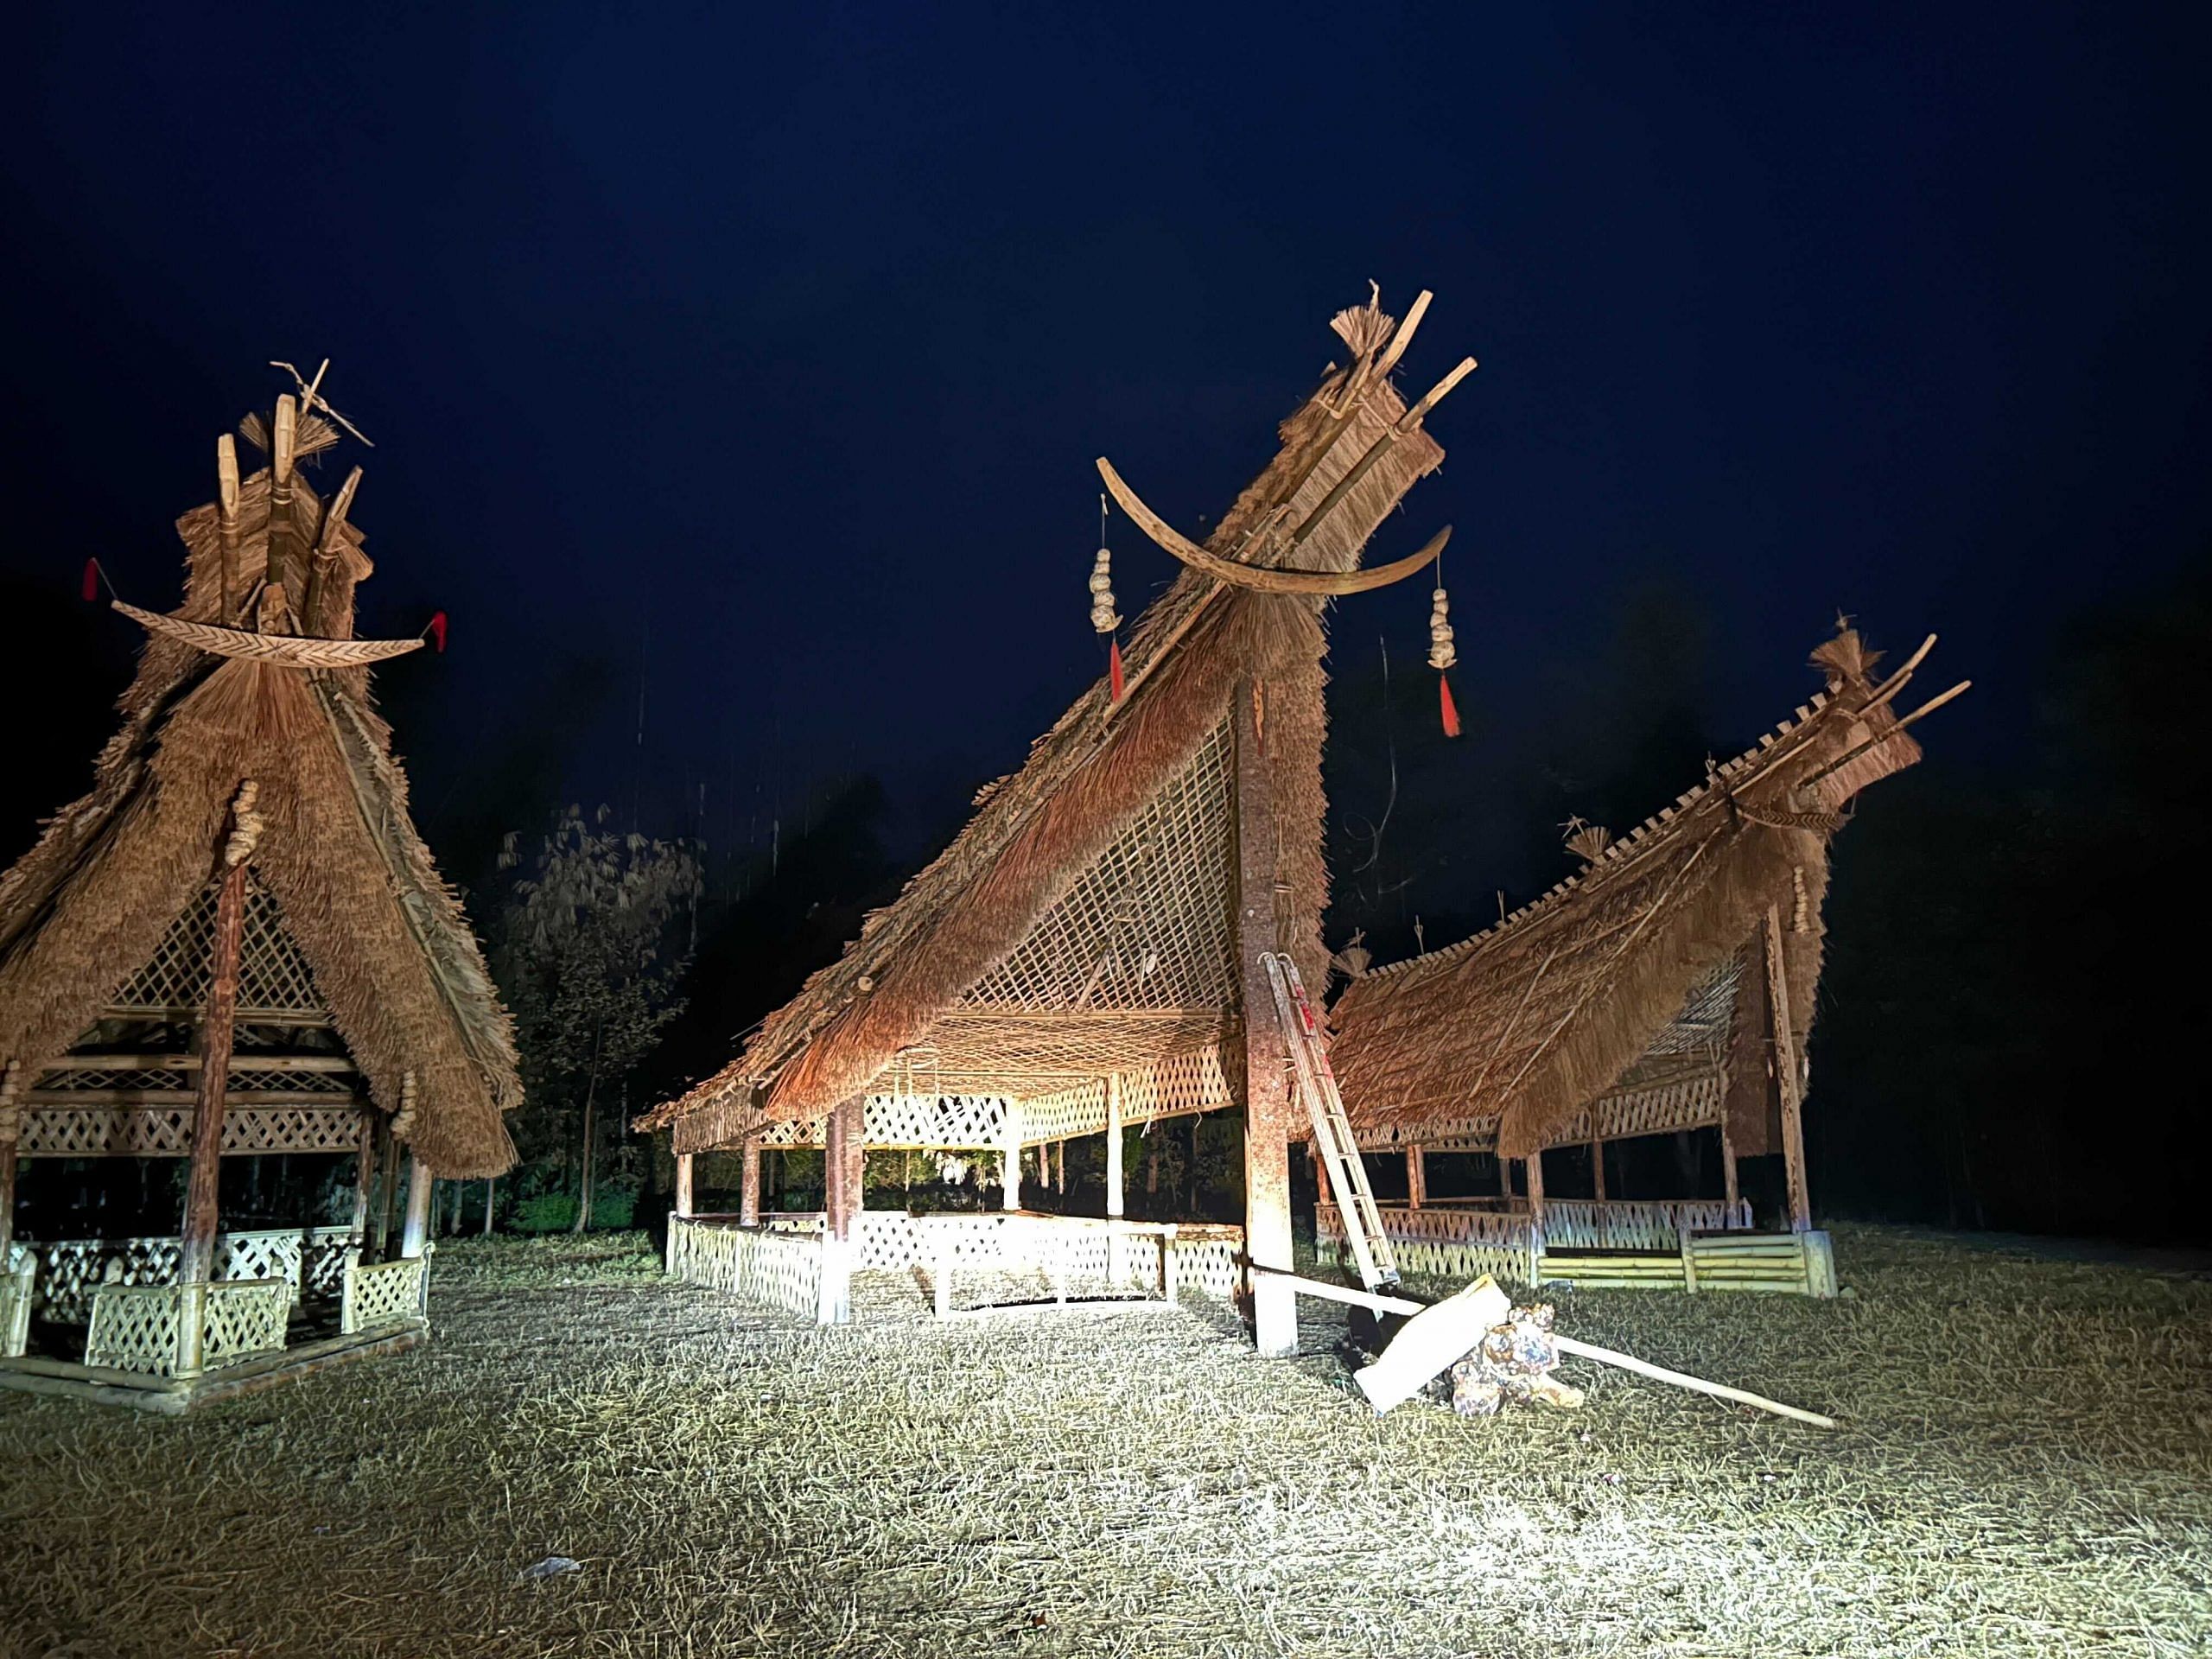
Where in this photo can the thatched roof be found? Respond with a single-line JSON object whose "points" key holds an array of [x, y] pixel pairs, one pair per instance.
{"points": [[392, 954], [1079, 924], [1531, 1020]]}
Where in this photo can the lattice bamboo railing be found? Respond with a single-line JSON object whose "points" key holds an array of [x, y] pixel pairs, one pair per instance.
{"points": [[1463, 1243], [781, 1265], [385, 1293], [1079, 1254], [146, 1328], [311, 1261]]}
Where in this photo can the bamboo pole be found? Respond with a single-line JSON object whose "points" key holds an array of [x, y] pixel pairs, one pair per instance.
{"points": [[1682, 1380], [415, 1228], [683, 1203]]}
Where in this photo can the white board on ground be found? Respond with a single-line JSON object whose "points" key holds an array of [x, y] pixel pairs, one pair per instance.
{"points": [[1431, 1341]]}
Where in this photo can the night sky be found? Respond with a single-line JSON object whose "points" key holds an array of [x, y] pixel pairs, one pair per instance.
{"points": [[756, 362]]}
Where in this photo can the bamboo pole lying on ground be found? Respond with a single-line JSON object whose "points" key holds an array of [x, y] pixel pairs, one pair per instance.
{"points": [[1681, 1380]]}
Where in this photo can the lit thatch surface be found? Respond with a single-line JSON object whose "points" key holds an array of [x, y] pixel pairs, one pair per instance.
{"points": [[2026, 1467]]}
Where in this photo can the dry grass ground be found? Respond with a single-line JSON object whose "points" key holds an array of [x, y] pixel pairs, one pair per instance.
{"points": [[2025, 1468]]}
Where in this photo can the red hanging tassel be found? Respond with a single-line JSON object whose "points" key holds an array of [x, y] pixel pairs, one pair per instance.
{"points": [[1451, 708], [438, 631], [92, 580], [1114, 669]]}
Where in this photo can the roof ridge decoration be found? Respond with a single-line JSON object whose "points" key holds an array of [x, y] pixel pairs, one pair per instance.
{"points": [[1345, 458], [1547, 1008], [258, 674]]}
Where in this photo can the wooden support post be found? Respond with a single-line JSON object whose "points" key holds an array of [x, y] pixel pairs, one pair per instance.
{"points": [[1504, 1173], [1115, 1200], [1416, 1176], [414, 1231], [685, 1205], [386, 1201], [843, 1155], [1788, 1077], [1535, 1170], [196, 1252], [1010, 1172], [1729, 1188], [749, 1182], [10, 1132], [1267, 1096], [1598, 1169], [491, 1193]]}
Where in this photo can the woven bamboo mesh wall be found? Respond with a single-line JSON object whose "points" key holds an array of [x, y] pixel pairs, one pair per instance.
{"points": [[273, 976], [1132, 964]]}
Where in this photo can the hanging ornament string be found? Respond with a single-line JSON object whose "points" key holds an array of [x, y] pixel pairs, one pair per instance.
{"points": [[1442, 653], [1103, 618]]}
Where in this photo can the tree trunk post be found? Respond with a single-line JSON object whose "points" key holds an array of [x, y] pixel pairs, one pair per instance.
{"points": [[196, 1243], [414, 1231], [1536, 1168], [1788, 1076], [684, 1201], [1010, 1167], [1416, 1176], [1267, 1142], [1117, 1198], [842, 1149], [749, 1182], [490, 1192], [11, 1131], [1598, 1169]]}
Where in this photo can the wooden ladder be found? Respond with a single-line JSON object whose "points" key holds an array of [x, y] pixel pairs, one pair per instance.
{"points": [[1333, 1137]]}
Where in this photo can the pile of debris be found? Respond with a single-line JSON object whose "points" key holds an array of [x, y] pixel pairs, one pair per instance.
{"points": [[1487, 1353]]}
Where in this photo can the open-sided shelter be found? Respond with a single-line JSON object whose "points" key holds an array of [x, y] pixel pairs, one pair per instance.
{"points": [[1087, 953], [237, 947], [1668, 987]]}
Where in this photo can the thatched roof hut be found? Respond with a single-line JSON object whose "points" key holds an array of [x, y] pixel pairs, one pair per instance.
{"points": [[259, 677], [1089, 952], [1081, 925], [1631, 997]]}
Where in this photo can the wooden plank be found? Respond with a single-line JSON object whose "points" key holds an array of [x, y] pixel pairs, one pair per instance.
{"points": [[1431, 1340]]}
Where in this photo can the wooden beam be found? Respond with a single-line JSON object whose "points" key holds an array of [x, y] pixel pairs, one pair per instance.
{"points": [[365, 1176], [684, 1199], [1266, 1098], [749, 1182], [333, 1065], [1416, 1176], [227, 522], [1787, 1076]]}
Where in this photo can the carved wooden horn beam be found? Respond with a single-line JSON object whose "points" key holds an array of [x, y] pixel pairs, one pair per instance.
{"points": [[1260, 578]]}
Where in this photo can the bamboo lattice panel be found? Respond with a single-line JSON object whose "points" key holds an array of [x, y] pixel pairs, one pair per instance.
{"points": [[136, 1328], [242, 1320], [88, 1129], [783, 1269], [71, 1270], [1628, 1224], [1193, 1081], [385, 1293], [1449, 1243], [1690, 1101], [273, 974]]}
